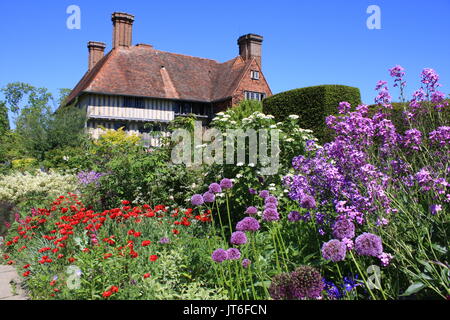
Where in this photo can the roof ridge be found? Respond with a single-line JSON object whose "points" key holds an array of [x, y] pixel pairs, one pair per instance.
{"points": [[186, 55]]}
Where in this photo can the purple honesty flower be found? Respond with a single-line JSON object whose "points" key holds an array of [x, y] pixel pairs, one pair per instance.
{"points": [[334, 250], [215, 188], [238, 238], [294, 216], [344, 107], [197, 200], [270, 214], [264, 194], [412, 139], [368, 244], [246, 263], [233, 254], [226, 183], [209, 197], [251, 210], [441, 136], [219, 255], [248, 224], [343, 228]]}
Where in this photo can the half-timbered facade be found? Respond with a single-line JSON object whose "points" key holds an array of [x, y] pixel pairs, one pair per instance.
{"points": [[141, 89]]}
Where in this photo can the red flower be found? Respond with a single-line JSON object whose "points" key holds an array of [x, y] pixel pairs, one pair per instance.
{"points": [[107, 255], [175, 231], [153, 257], [146, 243], [26, 274], [26, 266], [107, 294], [114, 289], [52, 283], [125, 202], [71, 260], [146, 275], [137, 234]]}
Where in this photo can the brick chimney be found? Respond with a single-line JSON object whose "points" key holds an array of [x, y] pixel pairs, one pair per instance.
{"points": [[123, 29], [96, 53], [250, 45]]}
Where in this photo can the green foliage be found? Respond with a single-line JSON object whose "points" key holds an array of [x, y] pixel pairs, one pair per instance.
{"points": [[4, 119], [244, 109], [312, 105]]}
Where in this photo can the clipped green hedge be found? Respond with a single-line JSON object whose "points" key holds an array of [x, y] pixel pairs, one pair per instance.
{"points": [[312, 105]]}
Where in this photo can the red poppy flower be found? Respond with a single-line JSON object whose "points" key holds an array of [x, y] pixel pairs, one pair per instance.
{"points": [[146, 243], [147, 275], [26, 266], [137, 234], [107, 294], [114, 289], [26, 274], [71, 260], [107, 255], [125, 202], [153, 257], [175, 231]]}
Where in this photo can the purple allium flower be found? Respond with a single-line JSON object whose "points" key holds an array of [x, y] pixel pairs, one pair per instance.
{"points": [[264, 194], [280, 287], [348, 243], [271, 199], [219, 255], [248, 224], [233, 254], [226, 183], [368, 244], [343, 228], [270, 205], [209, 197], [334, 250], [294, 216], [270, 214], [306, 282], [251, 210], [435, 208], [252, 191], [197, 200], [246, 263], [238, 238], [215, 188], [164, 240], [308, 202]]}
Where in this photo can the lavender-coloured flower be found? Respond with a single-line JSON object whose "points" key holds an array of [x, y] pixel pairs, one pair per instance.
{"points": [[238, 238], [164, 240], [88, 177], [209, 197], [197, 200], [368, 244], [385, 259], [264, 194], [233, 254], [215, 188], [344, 107], [251, 210], [219, 255], [412, 139], [270, 214], [252, 191], [271, 199], [294, 216], [226, 183], [306, 283], [248, 224], [246, 263], [435, 208], [334, 250], [343, 228], [280, 287], [308, 202]]}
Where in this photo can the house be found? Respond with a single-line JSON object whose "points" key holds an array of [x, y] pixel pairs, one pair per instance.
{"points": [[141, 88]]}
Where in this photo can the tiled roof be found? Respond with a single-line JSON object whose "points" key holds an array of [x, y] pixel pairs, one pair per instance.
{"points": [[144, 71]]}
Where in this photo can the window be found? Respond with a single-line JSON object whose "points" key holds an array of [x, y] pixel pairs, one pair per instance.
{"points": [[255, 75], [133, 102], [250, 95]]}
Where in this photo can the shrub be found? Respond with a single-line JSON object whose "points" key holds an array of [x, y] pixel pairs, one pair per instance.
{"points": [[312, 105]]}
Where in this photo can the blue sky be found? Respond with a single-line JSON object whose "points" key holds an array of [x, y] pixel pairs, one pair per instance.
{"points": [[305, 42]]}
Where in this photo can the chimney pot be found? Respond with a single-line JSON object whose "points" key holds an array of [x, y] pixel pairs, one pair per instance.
{"points": [[96, 53], [122, 29], [250, 46]]}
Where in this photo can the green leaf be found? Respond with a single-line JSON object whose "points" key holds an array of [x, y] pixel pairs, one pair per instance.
{"points": [[414, 288], [439, 248]]}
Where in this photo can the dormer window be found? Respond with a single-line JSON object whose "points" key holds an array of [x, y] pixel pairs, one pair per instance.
{"points": [[255, 75]]}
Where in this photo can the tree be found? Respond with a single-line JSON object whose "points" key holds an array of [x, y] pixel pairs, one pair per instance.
{"points": [[4, 120]]}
